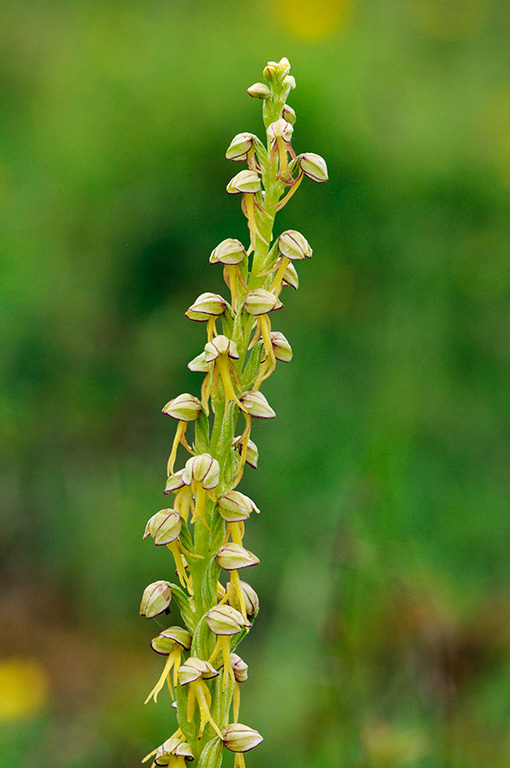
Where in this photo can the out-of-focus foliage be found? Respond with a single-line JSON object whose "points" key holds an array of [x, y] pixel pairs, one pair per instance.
{"points": [[383, 640]]}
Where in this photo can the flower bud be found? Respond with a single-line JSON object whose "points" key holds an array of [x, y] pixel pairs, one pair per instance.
{"points": [[284, 66], [314, 166], [240, 738], [259, 91], [239, 667], [166, 640], [194, 668], [229, 251], [199, 364], [184, 407], [289, 81], [246, 182], [288, 114], [239, 146], [280, 129], [271, 70], [252, 452], [206, 306], [164, 527], [281, 347], [220, 345], [251, 599], [174, 482], [234, 507], [233, 557], [256, 405], [225, 620], [202, 469], [260, 302], [293, 245], [290, 277], [155, 599]]}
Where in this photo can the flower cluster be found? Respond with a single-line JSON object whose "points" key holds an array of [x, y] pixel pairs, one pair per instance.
{"points": [[204, 529]]}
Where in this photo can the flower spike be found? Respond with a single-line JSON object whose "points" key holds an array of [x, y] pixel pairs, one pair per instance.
{"points": [[206, 524]]}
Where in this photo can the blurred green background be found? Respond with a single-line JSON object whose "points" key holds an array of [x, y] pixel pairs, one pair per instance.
{"points": [[383, 639]]}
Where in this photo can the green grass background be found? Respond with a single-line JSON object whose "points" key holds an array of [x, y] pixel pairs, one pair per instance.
{"points": [[383, 638]]}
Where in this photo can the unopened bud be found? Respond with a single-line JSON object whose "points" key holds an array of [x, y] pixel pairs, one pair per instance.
{"points": [[284, 66], [280, 129], [207, 305], [277, 69], [281, 347], [288, 114], [221, 345], [245, 182], [240, 738], [155, 599], [184, 407], [289, 81], [294, 246], [260, 302], [271, 70], [194, 668], [202, 469], [234, 506], [239, 146], [166, 640], [233, 557], [256, 405], [229, 251], [239, 667], [259, 91], [314, 166], [164, 527], [225, 620]]}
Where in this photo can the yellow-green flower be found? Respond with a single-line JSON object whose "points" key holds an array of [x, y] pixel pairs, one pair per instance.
{"points": [[193, 673], [171, 643]]}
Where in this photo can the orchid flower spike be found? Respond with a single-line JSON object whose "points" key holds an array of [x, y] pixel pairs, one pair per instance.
{"points": [[207, 525]]}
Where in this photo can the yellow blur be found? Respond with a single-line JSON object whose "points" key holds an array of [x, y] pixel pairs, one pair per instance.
{"points": [[24, 688], [313, 20]]}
